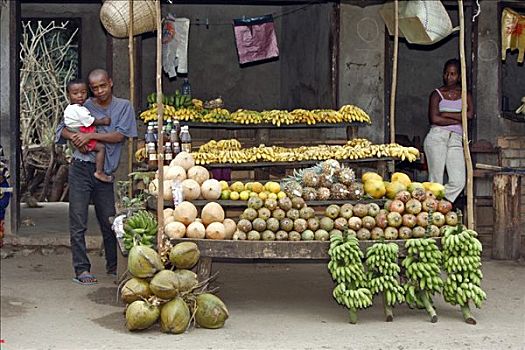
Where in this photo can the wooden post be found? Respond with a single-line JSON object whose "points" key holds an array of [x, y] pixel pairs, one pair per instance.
{"points": [[131, 48], [160, 143], [393, 90], [506, 239], [464, 122]]}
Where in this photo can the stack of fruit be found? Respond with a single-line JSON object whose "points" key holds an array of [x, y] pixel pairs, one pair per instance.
{"points": [[279, 219], [168, 294], [327, 180], [183, 221], [355, 149], [244, 191], [172, 104]]}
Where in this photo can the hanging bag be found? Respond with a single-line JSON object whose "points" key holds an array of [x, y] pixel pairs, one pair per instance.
{"points": [[255, 39]]}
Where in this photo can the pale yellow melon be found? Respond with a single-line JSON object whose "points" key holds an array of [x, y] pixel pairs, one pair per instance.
{"points": [[183, 159], [190, 190], [211, 189], [212, 212], [175, 229], [229, 228], [185, 212], [215, 230], [198, 173], [196, 230], [175, 172]]}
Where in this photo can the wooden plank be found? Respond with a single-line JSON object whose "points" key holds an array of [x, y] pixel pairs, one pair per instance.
{"points": [[204, 270], [507, 219], [312, 250], [231, 126], [151, 203]]}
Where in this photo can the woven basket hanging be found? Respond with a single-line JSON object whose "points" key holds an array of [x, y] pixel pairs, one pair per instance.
{"points": [[114, 16]]}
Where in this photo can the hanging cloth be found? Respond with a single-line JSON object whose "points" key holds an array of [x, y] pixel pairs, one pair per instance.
{"points": [[512, 33], [175, 34], [255, 38]]}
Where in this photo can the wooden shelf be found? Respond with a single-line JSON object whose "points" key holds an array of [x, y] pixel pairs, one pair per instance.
{"points": [[518, 118], [152, 203], [232, 126], [274, 249]]}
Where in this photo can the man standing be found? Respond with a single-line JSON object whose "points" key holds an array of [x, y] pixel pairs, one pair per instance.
{"points": [[83, 186]]}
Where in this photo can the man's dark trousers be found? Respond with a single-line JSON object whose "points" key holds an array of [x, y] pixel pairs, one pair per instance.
{"points": [[83, 186]]}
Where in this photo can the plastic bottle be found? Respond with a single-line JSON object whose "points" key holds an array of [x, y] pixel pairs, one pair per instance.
{"points": [[168, 153], [149, 137], [152, 156], [185, 139], [186, 87]]}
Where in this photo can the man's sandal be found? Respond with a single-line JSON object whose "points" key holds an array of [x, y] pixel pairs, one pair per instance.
{"points": [[85, 279]]}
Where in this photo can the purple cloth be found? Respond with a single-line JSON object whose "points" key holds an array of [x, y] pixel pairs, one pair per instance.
{"points": [[255, 39], [450, 106]]}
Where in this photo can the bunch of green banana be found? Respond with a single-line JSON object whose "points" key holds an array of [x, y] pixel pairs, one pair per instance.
{"points": [[422, 265], [383, 274], [347, 271], [462, 262], [140, 228], [180, 101], [216, 115]]}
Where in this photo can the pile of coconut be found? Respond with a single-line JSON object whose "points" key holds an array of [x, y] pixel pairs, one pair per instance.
{"points": [[183, 221], [172, 294], [194, 179]]}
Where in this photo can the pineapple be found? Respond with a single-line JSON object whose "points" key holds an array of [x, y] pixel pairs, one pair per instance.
{"points": [[346, 176], [323, 194], [326, 180], [292, 188], [310, 178], [309, 194], [339, 191], [355, 191], [330, 167]]}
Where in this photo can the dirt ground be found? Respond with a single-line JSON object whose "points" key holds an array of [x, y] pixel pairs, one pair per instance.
{"points": [[272, 306]]}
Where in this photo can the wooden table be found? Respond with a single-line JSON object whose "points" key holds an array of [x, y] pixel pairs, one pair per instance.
{"points": [[267, 250]]}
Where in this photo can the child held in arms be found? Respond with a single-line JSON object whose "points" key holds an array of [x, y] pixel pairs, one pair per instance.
{"points": [[77, 118]]}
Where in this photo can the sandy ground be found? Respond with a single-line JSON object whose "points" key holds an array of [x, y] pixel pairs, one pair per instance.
{"points": [[272, 306]]}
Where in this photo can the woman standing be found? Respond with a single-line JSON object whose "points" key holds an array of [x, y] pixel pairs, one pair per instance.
{"points": [[444, 143]]}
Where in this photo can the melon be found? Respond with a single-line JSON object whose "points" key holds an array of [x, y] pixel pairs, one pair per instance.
{"points": [[185, 213], [190, 190], [212, 212], [211, 189], [199, 174], [183, 159], [229, 228], [167, 212], [153, 187], [216, 230], [175, 172], [175, 229], [168, 219], [165, 169], [196, 230], [168, 194]]}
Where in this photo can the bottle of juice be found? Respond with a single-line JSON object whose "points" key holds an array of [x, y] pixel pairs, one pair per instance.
{"points": [[185, 139]]}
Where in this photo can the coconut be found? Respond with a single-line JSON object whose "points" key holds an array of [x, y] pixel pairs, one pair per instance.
{"points": [[254, 235], [239, 236], [185, 255], [175, 230], [196, 230], [268, 236], [168, 284], [272, 224], [322, 235], [184, 160], [198, 173], [185, 212], [210, 311], [141, 315], [281, 235], [259, 225], [216, 230], [135, 289], [143, 261], [294, 236], [307, 235], [175, 172], [191, 190], [229, 228], [212, 212], [175, 316], [211, 189], [244, 225]]}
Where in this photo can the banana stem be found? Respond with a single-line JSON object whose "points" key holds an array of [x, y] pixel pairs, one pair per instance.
{"points": [[428, 306], [389, 314], [353, 316], [467, 314]]}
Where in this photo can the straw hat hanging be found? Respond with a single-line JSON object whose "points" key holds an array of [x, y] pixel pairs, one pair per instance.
{"points": [[114, 16]]}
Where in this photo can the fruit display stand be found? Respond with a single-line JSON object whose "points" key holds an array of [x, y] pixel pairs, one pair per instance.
{"points": [[268, 250]]}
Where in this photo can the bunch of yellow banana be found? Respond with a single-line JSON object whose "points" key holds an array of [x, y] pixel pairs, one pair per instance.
{"points": [[351, 113], [327, 116], [245, 116], [198, 104], [151, 113], [304, 116], [187, 114], [141, 154], [278, 117], [220, 152], [216, 115]]}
